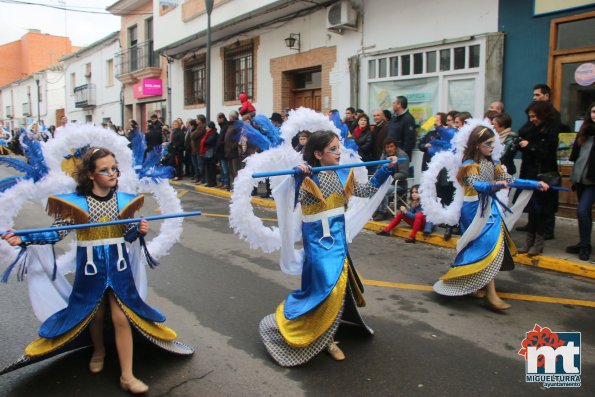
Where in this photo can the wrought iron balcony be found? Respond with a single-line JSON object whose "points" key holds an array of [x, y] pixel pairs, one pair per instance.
{"points": [[26, 109], [136, 58], [84, 96]]}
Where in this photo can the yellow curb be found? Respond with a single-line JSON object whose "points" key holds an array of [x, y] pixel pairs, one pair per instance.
{"points": [[541, 261]]}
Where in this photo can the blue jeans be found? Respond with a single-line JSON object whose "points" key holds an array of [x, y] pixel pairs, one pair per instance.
{"points": [[198, 172], [224, 172], [586, 198]]}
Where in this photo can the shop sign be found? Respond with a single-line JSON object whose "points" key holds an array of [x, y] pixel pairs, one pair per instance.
{"points": [[148, 87], [541, 7], [585, 74]]}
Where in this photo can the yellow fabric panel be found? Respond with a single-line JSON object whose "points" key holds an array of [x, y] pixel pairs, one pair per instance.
{"points": [[511, 244], [308, 185], [158, 331], [100, 232], [133, 206], [333, 201], [43, 346], [470, 191], [350, 184], [357, 293], [467, 270], [304, 330], [66, 210]]}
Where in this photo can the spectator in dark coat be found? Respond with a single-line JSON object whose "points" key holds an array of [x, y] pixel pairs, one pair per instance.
{"points": [[230, 147], [197, 161], [154, 135], [223, 162], [176, 150], [207, 152], [380, 132], [539, 146], [362, 134], [402, 126]]}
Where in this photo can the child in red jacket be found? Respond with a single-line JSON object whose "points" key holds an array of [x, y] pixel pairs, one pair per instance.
{"points": [[247, 107]]}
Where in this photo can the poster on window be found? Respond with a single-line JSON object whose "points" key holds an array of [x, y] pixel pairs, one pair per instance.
{"points": [[421, 94]]}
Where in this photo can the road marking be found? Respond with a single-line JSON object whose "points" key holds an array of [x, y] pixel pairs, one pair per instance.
{"points": [[508, 295]]}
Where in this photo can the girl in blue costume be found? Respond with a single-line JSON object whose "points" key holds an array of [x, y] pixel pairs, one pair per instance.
{"points": [[306, 322], [103, 270], [485, 247]]}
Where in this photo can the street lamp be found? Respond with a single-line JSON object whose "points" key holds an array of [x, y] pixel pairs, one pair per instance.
{"points": [[38, 107], [209, 7]]}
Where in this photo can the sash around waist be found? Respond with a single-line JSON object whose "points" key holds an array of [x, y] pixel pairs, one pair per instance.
{"points": [[323, 215], [95, 243]]}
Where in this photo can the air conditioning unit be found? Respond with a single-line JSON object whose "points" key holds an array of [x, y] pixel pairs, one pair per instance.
{"points": [[341, 15]]}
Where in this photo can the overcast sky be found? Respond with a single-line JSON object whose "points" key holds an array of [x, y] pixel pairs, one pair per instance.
{"points": [[82, 28]]}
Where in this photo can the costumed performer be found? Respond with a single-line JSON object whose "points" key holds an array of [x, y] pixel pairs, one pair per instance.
{"points": [[331, 290], [104, 270], [486, 246]]}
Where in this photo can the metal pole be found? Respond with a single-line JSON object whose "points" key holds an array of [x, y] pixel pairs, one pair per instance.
{"points": [[209, 7], [38, 111]]}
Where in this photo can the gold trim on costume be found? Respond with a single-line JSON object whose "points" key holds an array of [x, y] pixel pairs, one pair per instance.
{"points": [[158, 331], [350, 184], [43, 346], [467, 270], [100, 232], [305, 329], [58, 207], [134, 205]]}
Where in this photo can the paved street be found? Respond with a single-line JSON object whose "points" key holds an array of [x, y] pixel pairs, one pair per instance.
{"points": [[215, 290]]}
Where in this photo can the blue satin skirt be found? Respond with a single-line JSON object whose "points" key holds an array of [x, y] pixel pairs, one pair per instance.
{"points": [[88, 291]]}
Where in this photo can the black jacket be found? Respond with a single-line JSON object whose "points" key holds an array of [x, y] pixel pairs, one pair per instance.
{"points": [[176, 146], [365, 145], [402, 129], [154, 136], [576, 149], [221, 138], [428, 138]]}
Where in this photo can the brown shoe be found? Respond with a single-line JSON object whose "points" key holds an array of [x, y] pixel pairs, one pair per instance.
{"points": [[498, 307], [96, 363], [336, 353], [134, 386]]}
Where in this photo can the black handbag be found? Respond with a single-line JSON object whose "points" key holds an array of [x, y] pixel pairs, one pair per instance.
{"points": [[552, 178]]}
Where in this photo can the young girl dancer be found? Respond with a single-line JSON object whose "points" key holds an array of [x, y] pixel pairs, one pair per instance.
{"points": [[103, 271], [485, 247], [412, 215], [306, 322]]}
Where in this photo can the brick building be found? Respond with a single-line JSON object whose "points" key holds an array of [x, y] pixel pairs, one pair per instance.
{"points": [[33, 52]]}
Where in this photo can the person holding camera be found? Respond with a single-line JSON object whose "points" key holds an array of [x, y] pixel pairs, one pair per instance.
{"points": [[539, 146], [508, 138]]}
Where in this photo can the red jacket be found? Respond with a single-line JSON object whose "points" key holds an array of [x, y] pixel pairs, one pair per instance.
{"points": [[247, 106]]}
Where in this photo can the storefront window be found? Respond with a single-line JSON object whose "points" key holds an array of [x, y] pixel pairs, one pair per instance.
{"points": [[445, 60], [576, 34], [431, 62], [459, 58], [372, 69], [461, 95], [394, 66], [422, 95], [474, 56], [418, 63], [405, 65], [382, 67]]}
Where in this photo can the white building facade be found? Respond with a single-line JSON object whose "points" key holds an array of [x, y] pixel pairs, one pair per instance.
{"points": [[345, 53], [93, 94], [37, 97]]}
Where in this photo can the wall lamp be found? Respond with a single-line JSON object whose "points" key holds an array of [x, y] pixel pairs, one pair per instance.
{"points": [[293, 41]]}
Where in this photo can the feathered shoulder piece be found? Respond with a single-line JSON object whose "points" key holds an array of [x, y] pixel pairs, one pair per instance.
{"points": [[68, 206], [468, 168], [129, 204], [268, 129]]}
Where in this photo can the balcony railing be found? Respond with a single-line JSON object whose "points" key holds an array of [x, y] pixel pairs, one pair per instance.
{"points": [[26, 109], [136, 58], [84, 96]]}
